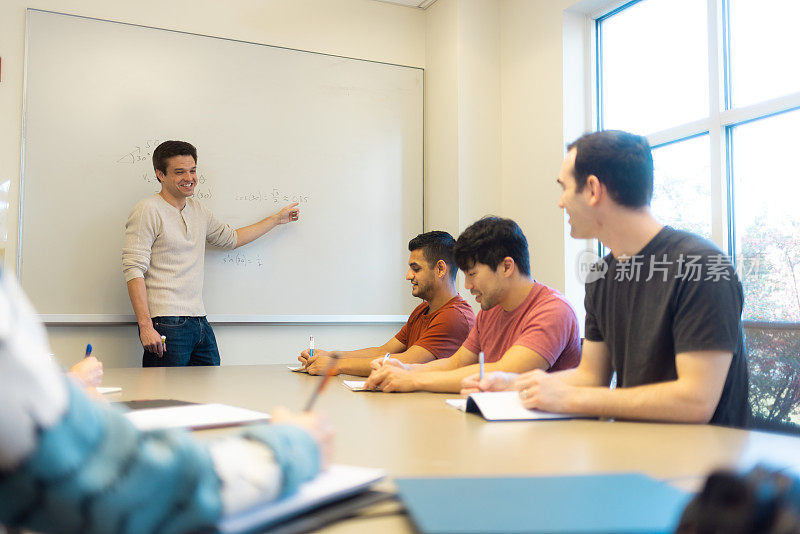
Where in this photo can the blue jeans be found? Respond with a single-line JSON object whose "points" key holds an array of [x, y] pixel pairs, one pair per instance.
{"points": [[190, 341]]}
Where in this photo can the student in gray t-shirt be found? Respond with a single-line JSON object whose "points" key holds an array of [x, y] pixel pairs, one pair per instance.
{"points": [[663, 310], [162, 259]]}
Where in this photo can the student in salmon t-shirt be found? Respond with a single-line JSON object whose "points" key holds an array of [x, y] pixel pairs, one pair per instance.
{"points": [[434, 330], [522, 325]]}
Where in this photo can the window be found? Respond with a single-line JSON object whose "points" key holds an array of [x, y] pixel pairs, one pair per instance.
{"points": [[712, 84], [682, 192]]}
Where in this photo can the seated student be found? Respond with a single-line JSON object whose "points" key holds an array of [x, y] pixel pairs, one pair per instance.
{"points": [[68, 464], [522, 325], [665, 316], [435, 329]]}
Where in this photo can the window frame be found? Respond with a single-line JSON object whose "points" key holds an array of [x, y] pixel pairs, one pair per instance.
{"points": [[719, 123]]}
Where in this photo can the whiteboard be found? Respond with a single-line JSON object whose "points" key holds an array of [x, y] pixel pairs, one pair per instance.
{"points": [[343, 137]]}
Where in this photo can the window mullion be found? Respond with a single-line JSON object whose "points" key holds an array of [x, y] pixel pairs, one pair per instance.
{"points": [[716, 95]]}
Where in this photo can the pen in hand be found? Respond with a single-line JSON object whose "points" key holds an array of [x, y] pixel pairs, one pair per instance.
{"points": [[480, 364], [330, 370], [310, 351], [88, 350]]}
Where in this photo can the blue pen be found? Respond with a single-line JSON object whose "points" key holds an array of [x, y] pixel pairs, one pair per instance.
{"points": [[310, 347], [88, 350], [480, 361]]}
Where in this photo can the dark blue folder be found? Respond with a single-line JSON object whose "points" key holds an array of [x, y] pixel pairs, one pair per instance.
{"points": [[617, 503]]}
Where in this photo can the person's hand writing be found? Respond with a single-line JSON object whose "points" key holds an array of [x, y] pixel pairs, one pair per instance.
{"points": [[318, 365], [89, 371], [496, 381], [305, 356], [390, 378], [377, 363]]}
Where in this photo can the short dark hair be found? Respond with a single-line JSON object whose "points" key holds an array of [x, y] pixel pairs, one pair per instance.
{"points": [[168, 149], [621, 161], [489, 241], [436, 245]]}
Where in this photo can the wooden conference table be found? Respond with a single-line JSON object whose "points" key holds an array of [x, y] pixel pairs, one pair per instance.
{"points": [[417, 434]]}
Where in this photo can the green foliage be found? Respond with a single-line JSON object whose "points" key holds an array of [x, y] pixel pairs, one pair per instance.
{"points": [[774, 374], [770, 264]]}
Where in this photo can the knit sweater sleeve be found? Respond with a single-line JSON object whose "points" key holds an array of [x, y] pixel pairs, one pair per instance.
{"points": [[141, 229], [219, 233]]}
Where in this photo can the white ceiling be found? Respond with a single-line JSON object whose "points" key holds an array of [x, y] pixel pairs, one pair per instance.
{"points": [[422, 4]]}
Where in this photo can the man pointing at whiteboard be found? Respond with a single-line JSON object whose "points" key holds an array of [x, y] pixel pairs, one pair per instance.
{"points": [[162, 260]]}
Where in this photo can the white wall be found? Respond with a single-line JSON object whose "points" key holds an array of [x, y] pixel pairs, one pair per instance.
{"points": [[462, 135], [441, 117], [494, 131], [532, 131], [353, 28]]}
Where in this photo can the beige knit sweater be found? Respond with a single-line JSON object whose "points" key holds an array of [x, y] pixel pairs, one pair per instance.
{"points": [[166, 247]]}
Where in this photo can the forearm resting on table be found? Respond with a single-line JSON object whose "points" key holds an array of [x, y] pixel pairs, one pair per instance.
{"points": [[594, 369], [450, 381], [362, 366], [359, 366], [665, 401], [456, 361], [691, 398], [582, 377], [368, 354]]}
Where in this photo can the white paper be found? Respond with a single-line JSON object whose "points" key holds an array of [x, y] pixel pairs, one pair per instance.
{"points": [[297, 369], [458, 404], [355, 385], [337, 482], [193, 416], [507, 406], [105, 390]]}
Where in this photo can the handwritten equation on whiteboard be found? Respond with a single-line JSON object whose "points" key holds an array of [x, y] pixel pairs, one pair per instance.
{"points": [[141, 157], [243, 260], [275, 196], [143, 152]]}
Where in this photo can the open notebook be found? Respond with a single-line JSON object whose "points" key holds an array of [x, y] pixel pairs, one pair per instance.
{"points": [[504, 406], [337, 483]]}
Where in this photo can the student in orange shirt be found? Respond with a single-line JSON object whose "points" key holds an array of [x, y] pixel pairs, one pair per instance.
{"points": [[434, 330]]}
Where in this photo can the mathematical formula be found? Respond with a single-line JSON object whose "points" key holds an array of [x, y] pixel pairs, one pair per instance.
{"points": [[275, 196], [143, 152], [142, 155], [243, 260]]}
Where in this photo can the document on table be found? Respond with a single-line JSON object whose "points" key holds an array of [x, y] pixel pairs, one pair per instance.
{"points": [[105, 390], [458, 404], [356, 385], [151, 415], [338, 482], [298, 368], [504, 406]]}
